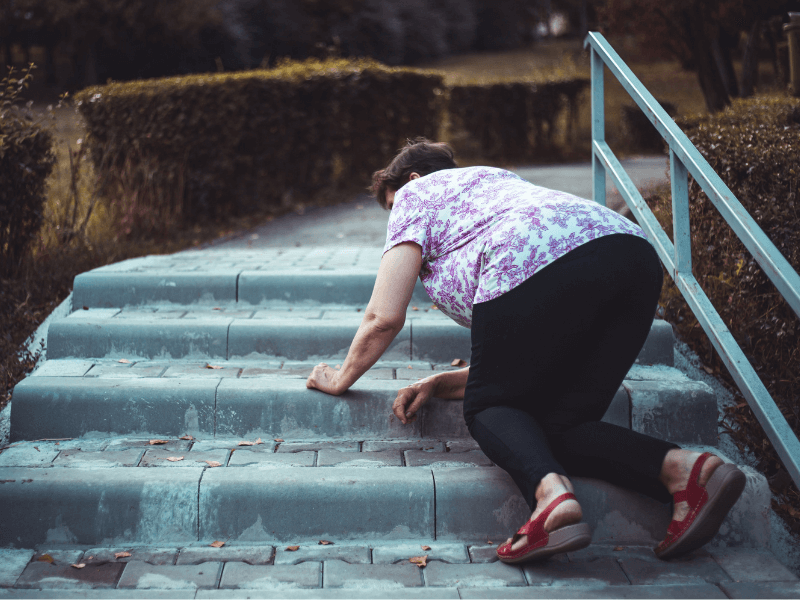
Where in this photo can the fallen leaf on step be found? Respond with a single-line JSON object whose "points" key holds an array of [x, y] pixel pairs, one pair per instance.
{"points": [[420, 561], [409, 367], [278, 440], [618, 548], [216, 308], [90, 558], [490, 542], [85, 308], [434, 307], [46, 558], [212, 367], [246, 444], [414, 308], [426, 548], [124, 361], [186, 437], [213, 463], [709, 371], [292, 548], [174, 458], [458, 362], [157, 442], [325, 543], [217, 544], [78, 566], [121, 554]]}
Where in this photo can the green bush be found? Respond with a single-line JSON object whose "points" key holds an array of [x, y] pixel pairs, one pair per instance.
{"points": [[513, 121], [192, 147], [755, 147], [26, 159]]}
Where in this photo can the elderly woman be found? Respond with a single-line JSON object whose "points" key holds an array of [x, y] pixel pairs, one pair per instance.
{"points": [[559, 294]]}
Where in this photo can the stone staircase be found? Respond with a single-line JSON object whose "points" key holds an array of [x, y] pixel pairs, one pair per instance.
{"points": [[172, 412]]}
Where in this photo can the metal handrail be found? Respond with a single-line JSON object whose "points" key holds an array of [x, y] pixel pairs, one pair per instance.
{"points": [[685, 159]]}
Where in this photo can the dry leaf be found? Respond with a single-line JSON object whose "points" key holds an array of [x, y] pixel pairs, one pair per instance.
{"points": [[292, 548], [709, 371], [278, 440], [246, 444], [259, 442], [490, 542], [414, 308], [420, 561], [426, 548], [458, 362], [121, 554], [157, 442], [409, 367], [213, 463], [78, 566], [434, 307], [174, 458], [90, 558], [186, 437], [124, 361], [212, 367], [325, 543], [46, 558], [217, 544], [216, 308], [618, 548]]}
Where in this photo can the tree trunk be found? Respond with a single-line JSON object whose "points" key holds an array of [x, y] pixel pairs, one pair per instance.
{"points": [[750, 61], [696, 35], [722, 56]]}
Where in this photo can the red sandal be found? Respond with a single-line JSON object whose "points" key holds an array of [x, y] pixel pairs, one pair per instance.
{"points": [[542, 544], [708, 507]]}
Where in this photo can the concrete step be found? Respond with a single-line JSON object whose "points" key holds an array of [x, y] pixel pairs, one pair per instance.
{"points": [[72, 398], [88, 491], [281, 334]]}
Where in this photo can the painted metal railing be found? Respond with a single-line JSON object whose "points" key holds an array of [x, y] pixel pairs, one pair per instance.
{"points": [[677, 258]]}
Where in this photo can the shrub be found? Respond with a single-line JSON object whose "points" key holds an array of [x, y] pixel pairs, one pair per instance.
{"points": [[190, 148], [26, 159], [755, 147]]}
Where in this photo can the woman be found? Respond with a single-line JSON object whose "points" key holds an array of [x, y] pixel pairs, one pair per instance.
{"points": [[559, 294]]}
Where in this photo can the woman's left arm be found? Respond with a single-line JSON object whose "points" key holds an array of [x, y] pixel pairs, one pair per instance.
{"points": [[383, 319]]}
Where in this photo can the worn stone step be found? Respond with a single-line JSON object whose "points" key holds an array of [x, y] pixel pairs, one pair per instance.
{"points": [[277, 334], [72, 398], [128, 490]]}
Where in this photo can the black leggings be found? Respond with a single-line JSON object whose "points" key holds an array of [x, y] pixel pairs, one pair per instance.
{"points": [[547, 359]]}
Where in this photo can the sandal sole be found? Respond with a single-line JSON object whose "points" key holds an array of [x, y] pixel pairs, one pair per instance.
{"points": [[724, 487], [565, 539]]}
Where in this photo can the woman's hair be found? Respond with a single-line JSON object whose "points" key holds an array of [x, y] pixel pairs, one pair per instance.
{"points": [[420, 156]]}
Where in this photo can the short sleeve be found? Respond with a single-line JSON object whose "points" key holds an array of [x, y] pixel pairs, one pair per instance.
{"points": [[408, 222]]}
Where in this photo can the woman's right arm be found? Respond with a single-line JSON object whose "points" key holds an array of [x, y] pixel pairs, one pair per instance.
{"points": [[448, 385]]}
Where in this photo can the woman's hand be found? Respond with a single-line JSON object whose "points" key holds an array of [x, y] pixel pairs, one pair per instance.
{"points": [[411, 398], [325, 379]]}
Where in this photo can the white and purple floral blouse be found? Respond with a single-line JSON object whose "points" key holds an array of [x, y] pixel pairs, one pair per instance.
{"points": [[483, 231]]}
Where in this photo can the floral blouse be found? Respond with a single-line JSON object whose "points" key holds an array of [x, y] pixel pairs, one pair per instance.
{"points": [[483, 231]]}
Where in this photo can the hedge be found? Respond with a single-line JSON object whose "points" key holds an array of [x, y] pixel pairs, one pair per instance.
{"points": [[195, 146], [26, 160], [755, 147]]}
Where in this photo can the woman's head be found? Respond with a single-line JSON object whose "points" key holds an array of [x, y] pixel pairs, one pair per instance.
{"points": [[420, 156]]}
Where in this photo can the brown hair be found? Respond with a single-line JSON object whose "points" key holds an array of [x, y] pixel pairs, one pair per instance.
{"points": [[419, 156]]}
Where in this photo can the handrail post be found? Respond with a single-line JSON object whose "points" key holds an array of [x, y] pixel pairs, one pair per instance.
{"points": [[681, 228], [598, 128]]}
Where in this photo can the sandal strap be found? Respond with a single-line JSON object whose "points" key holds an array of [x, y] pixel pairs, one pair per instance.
{"points": [[537, 526], [694, 491]]}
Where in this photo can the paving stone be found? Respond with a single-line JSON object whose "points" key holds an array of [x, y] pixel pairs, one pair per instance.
{"points": [[291, 504], [88, 444], [82, 506], [288, 314], [334, 594], [440, 341], [335, 458], [438, 574], [762, 589], [286, 409], [154, 368], [204, 445], [339, 445], [63, 576], [436, 460], [223, 313], [590, 571], [60, 555], [99, 594], [379, 374], [59, 407], [443, 419], [201, 370], [340, 574], [252, 555], [150, 314], [275, 372], [464, 445], [27, 456], [400, 553], [349, 553], [246, 457], [12, 563], [643, 568], [158, 458], [173, 445], [64, 367], [581, 591], [238, 575], [95, 314], [751, 564], [144, 576], [148, 554], [123, 371], [484, 553], [402, 445], [414, 374], [659, 346], [88, 459], [655, 373]]}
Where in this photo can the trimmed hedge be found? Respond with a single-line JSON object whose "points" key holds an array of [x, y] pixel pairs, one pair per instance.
{"points": [[755, 147], [26, 160], [196, 146]]}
